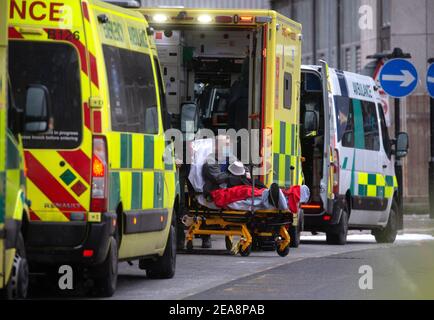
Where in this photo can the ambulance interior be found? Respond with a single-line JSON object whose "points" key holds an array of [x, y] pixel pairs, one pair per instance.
{"points": [[215, 68], [312, 143]]}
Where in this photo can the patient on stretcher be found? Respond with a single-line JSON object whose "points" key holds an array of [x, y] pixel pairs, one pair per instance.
{"points": [[226, 183]]}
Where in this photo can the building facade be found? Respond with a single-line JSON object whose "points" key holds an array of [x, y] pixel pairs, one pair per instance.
{"points": [[346, 32], [250, 4]]}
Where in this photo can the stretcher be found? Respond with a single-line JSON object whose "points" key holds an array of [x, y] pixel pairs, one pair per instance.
{"points": [[253, 228]]}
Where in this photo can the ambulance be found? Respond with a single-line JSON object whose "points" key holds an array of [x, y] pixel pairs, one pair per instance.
{"points": [[210, 57], [348, 156], [100, 184], [13, 206]]}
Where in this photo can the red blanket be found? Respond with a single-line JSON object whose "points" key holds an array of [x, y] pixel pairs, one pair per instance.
{"points": [[223, 197], [293, 196]]}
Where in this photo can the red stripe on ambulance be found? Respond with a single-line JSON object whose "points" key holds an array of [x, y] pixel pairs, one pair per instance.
{"points": [[49, 186]]}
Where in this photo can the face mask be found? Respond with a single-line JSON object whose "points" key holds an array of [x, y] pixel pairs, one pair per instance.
{"points": [[225, 151]]}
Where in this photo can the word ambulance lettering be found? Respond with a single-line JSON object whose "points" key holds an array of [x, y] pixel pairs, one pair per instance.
{"points": [[37, 10], [113, 31], [363, 90], [137, 37]]}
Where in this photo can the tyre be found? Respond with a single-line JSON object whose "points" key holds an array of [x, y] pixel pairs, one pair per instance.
{"points": [[246, 252], [190, 246], [284, 252], [228, 243], [338, 234], [164, 267], [107, 273], [388, 234], [19, 279]]}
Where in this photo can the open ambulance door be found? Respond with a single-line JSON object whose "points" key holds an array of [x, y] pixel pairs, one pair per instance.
{"points": [[326, 186]]}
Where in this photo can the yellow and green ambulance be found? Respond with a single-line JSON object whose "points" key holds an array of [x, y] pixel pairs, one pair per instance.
{"points": [[99, 189]]}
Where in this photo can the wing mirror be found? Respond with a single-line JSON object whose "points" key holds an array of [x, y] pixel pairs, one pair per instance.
{"points": [[402, 145], [189, 117], [37, 109], [310, 123]]}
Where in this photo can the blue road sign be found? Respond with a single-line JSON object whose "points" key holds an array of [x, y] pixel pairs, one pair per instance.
{"points": [[398, 78], [430, 80]]}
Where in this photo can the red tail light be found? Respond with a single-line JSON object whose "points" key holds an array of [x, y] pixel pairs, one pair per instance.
{"points": [[223, 19], [87, 253], [327, 218], [98, 201], [335, 168]]}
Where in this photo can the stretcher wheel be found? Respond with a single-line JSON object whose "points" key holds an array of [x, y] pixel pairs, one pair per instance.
{"points": [[246, 252], [284, 252], [189, 245], [228, 243]]}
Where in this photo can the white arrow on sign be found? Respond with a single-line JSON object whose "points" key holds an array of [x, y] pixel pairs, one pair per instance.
{"points": [[406, 78], [431, 79]]}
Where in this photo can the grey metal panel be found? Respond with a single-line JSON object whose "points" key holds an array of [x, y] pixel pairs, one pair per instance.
{"points": [[250, 4]]}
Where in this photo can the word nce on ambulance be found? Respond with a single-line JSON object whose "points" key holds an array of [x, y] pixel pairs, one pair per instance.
{"points": [[349, 157], [98, 188]]}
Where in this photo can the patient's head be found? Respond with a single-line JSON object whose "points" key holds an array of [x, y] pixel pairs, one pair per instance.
{"points": [[222, 147]]}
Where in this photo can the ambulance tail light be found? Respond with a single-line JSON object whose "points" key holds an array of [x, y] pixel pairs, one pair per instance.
{"points": [[223, 19], [246, 19], [336, 169], [99, 175]]}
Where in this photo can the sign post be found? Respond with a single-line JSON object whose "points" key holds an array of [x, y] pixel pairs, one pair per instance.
{"points": [[398, 78], [430, 88]]}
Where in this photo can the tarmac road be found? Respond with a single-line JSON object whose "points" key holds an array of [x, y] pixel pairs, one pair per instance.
{"points": [[315, 270]]}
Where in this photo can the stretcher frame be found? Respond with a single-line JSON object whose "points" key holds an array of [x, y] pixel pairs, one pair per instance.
{"points": [[246, 224]]}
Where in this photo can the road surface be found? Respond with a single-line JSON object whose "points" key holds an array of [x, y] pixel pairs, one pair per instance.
{"points": [[315, 270]]}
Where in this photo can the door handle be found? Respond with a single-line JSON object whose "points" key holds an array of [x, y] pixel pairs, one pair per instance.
{"points": [[384, 166]]}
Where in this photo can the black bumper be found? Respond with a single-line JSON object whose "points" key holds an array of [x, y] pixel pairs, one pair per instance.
{"points": [[54, 243], [316, 221]]}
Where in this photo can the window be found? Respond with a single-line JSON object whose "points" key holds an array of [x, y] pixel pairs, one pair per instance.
{"points": [[370, 126], [345, 121], [385, 133], [287, 89], [133, 97], [165, 114], [358, 59], [56, 66], [357, 123]]}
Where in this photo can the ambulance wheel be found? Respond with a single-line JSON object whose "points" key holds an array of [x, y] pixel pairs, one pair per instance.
{"points": [[246, 252], [107, 273], [164, 267], [284, 252], [190, 246], [388, 234], [338, 235], [228, 243], [19, 279]]}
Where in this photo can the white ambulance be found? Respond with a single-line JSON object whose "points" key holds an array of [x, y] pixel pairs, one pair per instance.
{"points": [[348, 156]]}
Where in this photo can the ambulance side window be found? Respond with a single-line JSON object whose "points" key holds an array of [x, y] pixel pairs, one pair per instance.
{"points": [[287, 90], [345, 121], [133, 97], [164, 113], [385, 133], [370, 126]]}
